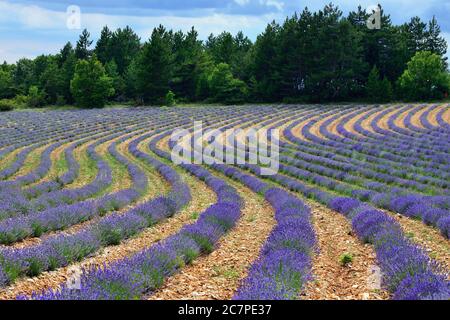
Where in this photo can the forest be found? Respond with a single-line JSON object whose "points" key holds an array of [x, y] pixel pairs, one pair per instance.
{"points": [[311, 57]]}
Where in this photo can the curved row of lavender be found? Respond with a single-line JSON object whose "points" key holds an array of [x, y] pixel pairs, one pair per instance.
{"points": [[317, 166], [61, 250], [144, 272], [317, 169], [422, 179], [17, 201], [434, 210], [285, 262], [67, 207], [408, 271]]}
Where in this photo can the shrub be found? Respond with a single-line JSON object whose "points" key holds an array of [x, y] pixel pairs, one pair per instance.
{"points": [[6, 105], [91, 87], [378, 90], [346, 259], [170, 99], [224, 87], [35, 97], [425, 78]]}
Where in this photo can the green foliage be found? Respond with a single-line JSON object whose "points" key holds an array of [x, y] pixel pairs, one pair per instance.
{"points": [[103, 46], [170, 99], [6, 105], [7, 89], [425, 78], [191, 64], [378, 90], [91, 87], [153, 69], [117, 80], [223, 87], [36, 97], [346, 259], [320, 56]]}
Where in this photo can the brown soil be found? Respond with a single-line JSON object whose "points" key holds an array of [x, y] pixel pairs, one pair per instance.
{"points": [[218, 275], [332, 280]]}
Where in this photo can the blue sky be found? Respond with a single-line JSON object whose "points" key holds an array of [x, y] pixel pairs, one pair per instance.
{"points": [[29, 28]]}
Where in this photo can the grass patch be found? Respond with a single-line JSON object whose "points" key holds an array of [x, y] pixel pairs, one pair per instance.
{"points": [[346, 259], [32, 161], [9, 159], [88, 168]]}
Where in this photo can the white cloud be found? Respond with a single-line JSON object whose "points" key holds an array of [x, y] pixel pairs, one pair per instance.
{"points": [[242, 2], [30, 16], [52, 25], [279, 5], [11, 51]]}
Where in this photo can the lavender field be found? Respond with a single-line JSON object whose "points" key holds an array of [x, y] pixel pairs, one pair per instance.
{"points": [[93, 208]]}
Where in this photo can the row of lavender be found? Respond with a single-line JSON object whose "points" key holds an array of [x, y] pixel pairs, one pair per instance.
{"points": [[408, 271], [433, 210], [144, 272], [204, 232], [61, 250], [319, 169], [283, 203], [334, 176]]}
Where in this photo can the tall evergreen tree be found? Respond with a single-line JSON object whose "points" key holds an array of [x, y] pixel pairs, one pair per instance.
{"points": [[264, 65], [378, 90], [103, 46], [435, 43], [7, 89], [190, 63], [125, 45], [82, 50], [155, 67]]}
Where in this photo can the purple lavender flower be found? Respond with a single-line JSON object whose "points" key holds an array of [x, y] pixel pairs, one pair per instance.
{"points": [[423, 286], [115, 228], [433, 215], [205, 235], [279, 275], [444, 225], [3, 278]]}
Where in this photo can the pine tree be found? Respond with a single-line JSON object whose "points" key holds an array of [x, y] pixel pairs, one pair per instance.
{"points": [[378, 90], [190, 62], [264, 66], [154, 69], [125, 45], [416, 30], [103, 46], [117, 80], [82, 50], [435, 43]]}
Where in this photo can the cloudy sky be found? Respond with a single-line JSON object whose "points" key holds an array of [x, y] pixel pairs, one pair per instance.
{"points": [[29, 28]]}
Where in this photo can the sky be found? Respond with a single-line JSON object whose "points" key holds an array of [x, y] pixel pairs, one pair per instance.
{"points": [[29, 28]]}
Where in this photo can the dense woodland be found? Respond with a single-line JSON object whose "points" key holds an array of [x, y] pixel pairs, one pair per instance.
{"points": [[319, 56]]}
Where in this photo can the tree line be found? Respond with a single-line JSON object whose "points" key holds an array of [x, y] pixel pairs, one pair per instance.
{"points": [[320, 56]]}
